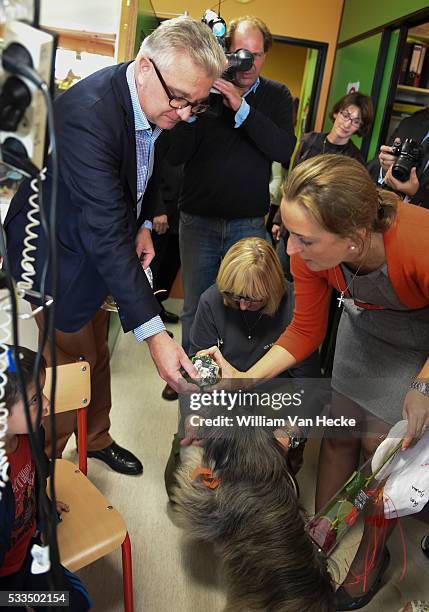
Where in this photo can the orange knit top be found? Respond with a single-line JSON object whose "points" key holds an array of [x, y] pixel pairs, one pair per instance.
{"points": [[406, 245]]}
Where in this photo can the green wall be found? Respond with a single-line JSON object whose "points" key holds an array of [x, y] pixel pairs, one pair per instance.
{"points": [[147, 22], [360, 16]]}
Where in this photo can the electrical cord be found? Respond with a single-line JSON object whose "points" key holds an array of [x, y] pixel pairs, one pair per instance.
{"points": [[4, 336], [48, 507]]}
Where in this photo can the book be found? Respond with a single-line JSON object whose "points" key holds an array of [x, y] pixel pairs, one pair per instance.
{"points": [[414, 64], [424, 77], [408, 109], [405, 62], [420, 66]]}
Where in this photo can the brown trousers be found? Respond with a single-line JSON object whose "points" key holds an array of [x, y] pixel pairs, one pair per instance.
{"points": [[87, 344]]}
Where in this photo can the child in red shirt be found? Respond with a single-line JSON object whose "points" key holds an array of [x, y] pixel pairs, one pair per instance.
{"points": [[18, 503]]}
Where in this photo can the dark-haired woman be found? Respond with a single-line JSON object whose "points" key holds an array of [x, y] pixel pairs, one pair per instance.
{"points": [[352, 114]]}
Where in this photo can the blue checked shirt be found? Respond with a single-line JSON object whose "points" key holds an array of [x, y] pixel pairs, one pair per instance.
{"points": [[145, 145], [243, 112]]}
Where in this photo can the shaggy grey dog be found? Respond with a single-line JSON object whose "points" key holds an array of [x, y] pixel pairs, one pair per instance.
{"points": [[253, 517]]}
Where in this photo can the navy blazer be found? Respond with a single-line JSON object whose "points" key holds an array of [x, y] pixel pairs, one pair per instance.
{"points": [[97, 203]]}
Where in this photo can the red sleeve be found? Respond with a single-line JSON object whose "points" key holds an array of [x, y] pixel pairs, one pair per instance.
{"points": [[310, 318]]}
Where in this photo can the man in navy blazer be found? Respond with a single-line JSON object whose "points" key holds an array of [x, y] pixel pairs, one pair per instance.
{"points": [[106, 128]]}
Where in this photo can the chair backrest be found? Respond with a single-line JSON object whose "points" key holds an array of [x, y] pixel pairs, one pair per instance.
{"points": [[73, 389], [73, 392]]}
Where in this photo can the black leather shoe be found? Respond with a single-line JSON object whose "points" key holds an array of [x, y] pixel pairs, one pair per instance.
{"points": [[344, 601], [169, 394], [119, 459], [169, 317]]}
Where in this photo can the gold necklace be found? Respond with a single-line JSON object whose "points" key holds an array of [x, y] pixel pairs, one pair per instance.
{"points": [[250, 328], [340, 299]]}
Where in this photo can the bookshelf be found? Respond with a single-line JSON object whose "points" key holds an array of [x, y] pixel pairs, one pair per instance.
{"points": [[412, 89]]}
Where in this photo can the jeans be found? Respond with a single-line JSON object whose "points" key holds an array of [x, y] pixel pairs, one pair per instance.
{"points": [[203, 243]]}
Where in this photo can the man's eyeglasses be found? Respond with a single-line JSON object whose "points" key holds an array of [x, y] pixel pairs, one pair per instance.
{"points": [[355, 121], [177, 101], [237, 298]]}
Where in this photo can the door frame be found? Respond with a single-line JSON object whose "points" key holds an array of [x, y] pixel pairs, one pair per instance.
{"points": [[322, 52]]}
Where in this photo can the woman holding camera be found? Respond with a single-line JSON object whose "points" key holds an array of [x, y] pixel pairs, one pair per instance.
{"points": [[370, 246]]}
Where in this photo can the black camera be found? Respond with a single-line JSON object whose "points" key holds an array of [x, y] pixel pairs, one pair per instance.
{"points": [[409, 154], [238, 61]]}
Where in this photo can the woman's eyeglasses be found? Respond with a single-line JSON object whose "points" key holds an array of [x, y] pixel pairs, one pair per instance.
{"points": [[237, 298], [355, 121], [177, 101]]}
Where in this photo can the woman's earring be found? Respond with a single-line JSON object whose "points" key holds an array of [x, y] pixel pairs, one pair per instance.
{"points": [[353, 248]]}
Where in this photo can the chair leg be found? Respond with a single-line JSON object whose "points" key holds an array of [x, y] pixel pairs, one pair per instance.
{"points": [[127, 574], [82, 440]]}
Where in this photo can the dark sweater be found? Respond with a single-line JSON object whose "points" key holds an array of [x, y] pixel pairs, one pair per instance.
{"points": [[316, 143], [229, 327], [227, 169]]}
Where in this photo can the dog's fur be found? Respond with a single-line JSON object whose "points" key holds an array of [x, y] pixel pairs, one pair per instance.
{"points": [[256, 523]]}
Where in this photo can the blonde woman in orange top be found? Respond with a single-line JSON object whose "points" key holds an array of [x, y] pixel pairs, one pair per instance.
{"points": [[372, 248]]}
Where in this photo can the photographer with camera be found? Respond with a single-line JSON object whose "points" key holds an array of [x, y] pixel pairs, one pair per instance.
{"points": [[404, 166], [227, 155]]}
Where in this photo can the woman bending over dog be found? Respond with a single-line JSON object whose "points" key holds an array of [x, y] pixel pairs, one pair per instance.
{"points": [[372, 248]]}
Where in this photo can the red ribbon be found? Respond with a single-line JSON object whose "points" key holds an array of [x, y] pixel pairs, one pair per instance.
{"points": [[206, 476]]}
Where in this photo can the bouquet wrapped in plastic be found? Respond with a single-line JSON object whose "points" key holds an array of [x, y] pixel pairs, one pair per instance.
{"points": [[329, 526]]}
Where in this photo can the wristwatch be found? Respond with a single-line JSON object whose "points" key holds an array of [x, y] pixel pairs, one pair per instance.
{"points": [[294, 441], [420, 385]]}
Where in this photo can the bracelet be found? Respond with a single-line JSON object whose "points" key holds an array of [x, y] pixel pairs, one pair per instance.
{"points": [[420, 385]]}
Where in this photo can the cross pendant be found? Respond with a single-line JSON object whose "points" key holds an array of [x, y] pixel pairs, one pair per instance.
{"points": [[340, 299]]}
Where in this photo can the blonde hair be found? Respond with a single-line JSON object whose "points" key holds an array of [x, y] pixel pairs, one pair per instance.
{"points": [[340, 195], [186, 36], [252, 268]]}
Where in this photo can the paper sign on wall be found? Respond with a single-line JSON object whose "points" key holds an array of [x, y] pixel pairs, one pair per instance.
{"points": [[352, 87]]}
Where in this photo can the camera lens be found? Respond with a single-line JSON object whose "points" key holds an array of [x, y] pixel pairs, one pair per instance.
{"points": [[410, 154]]}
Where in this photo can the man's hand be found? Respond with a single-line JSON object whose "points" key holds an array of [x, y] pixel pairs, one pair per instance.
{"points": [[409, 187], [160, 224], [231, 94], [169, 357], [192, 433], [276, 232], [144, 247], [386, 158], [62, 507]]}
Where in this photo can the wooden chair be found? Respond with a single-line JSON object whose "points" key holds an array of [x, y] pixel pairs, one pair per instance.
{"points": [[93, 527]]}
